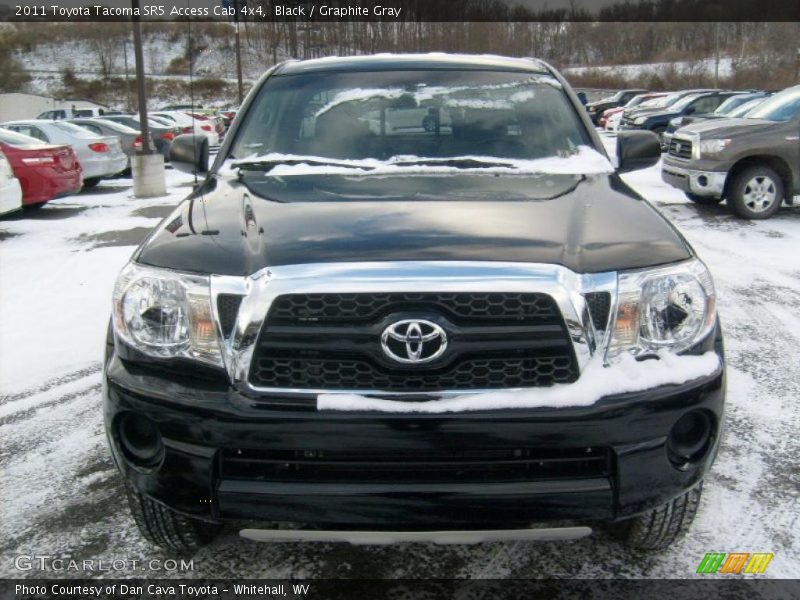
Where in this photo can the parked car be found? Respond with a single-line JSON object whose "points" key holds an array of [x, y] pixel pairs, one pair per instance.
{"points": [[637, 100], [658, 121], [658, 105], [228, 115], [723, 110], [45, 171], [595, 109], [160, 133], [130, 139], [10, 189], [752, 162], [71, 113], [99, 156], [315, 341], [189, 124]]}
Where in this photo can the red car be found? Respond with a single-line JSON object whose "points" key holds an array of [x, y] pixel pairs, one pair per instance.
{"points": [[44, 171]]}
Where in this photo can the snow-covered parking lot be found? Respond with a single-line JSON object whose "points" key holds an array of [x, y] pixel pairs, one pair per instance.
{"points": [[60, 495]]}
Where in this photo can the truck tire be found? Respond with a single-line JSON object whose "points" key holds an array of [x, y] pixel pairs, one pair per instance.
{"points": [[756, 193], [91, 182], [167, 528], [703, 200], [658, 528]]}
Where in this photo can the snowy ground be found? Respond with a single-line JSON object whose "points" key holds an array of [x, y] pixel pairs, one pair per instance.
{"points": [[60, 495]]}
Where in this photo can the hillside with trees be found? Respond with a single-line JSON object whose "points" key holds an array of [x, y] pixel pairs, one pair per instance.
{"points": [[82, 60]]}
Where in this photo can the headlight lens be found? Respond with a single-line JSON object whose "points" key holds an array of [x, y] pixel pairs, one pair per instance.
{"points": [[667, 308], [166, 314], [639, 120], [676, 122], [712, 147]]}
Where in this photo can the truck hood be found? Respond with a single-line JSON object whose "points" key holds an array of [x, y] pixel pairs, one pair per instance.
{"points": [[725, 127], [233, 226]]}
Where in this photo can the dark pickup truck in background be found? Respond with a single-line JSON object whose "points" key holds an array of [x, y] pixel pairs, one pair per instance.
{"points": [[752, 162]]}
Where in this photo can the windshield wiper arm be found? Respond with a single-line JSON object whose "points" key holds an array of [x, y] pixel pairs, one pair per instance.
{"points": [[267, 165], [458, 163]]}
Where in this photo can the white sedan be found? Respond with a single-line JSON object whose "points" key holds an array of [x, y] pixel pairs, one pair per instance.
{"points": [[189, 124], [99, 155], [10, 190]]}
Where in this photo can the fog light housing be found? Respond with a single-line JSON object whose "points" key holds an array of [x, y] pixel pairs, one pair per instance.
{"points": [[140, 440], [702, 180], [689, 438]]}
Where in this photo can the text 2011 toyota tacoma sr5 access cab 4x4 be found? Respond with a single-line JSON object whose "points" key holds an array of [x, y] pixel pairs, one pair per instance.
{"points": [[412, 299]]}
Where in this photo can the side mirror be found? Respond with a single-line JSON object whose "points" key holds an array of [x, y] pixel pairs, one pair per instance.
{"points": [[189, 153], [637, 150]]}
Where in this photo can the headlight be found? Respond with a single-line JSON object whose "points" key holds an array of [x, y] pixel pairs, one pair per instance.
{"points": [[712, 147], [639, 120], [666, 308], [676, 122], [166, 314]]}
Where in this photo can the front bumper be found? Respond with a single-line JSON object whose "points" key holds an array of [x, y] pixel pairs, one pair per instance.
{"points": [[702, 183], [208, 428]]}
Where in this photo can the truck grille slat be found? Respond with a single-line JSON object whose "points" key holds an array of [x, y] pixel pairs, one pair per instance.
{"points": [[332, 342], [680, 148]]}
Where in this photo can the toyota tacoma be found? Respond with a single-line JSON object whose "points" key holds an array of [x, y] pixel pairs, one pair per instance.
{"points": [[413, 300]]}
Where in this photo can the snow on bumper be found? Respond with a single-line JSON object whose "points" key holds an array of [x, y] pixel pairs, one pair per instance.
{"points": [[628, 375]]}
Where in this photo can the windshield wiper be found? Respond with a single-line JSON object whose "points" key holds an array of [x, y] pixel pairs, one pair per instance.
{"points": [[267, 165], [458, 163]]}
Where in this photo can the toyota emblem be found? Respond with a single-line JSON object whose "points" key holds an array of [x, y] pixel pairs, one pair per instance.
{"points": [[413, 341]]}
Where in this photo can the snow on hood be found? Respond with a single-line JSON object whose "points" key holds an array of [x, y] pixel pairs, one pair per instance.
{"points": [[597, 381], [583, 161]]}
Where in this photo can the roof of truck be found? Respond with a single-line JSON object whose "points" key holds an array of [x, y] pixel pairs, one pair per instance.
{"points": [[400, 62]]}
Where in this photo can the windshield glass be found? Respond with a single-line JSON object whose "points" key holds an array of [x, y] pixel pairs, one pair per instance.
{"points": [[728, 105], [12, 138], [781, 107], [741, 111], [74, 130], [400, 116], [684, 102]]}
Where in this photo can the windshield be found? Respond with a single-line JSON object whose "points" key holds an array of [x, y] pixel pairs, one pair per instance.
{"points": [[741, 111], [781, 107], [728, 105], [118, 127], [400, 116], [74, 130], [636, 101], [12, 138], [684, 102]]}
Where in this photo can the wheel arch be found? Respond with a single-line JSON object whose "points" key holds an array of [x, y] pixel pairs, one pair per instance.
{"points": [[776, 163]]}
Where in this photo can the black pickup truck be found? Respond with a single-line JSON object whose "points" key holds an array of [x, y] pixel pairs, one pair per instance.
{"points": [[413, 300]]}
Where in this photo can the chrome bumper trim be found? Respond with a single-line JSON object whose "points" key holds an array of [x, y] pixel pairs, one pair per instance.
{"points": [[431, 537], [702, 183], [260, 290]]}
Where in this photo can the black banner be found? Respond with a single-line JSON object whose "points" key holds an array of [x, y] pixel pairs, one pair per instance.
{"points": [[402, 10], [429, 589]]}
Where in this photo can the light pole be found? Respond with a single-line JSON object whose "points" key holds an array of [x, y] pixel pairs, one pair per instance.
{"points": [[128, 103], [147, 167]]}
